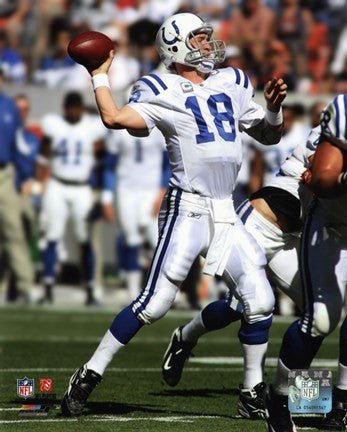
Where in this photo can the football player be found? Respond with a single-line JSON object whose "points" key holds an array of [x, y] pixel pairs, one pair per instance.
{"points": [[142, 172], [200, 111], [70, 144], [273, 216], [324, 274]]}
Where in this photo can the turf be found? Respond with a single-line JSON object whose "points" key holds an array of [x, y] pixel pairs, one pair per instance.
{"points": [[41, 343]]}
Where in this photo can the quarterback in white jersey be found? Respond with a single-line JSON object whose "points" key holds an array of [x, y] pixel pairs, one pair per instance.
{"points": [[70, 143], [137, 171], [273, 217], [200, 111], [324, 272]]}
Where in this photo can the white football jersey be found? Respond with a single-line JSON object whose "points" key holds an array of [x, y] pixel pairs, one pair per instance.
{"points": [[201, 124], [334, 129], [139, 164], [275, 155], [289, 175], [72, 145]]}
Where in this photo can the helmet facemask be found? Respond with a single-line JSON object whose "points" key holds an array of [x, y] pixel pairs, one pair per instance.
{"points": [[196, 57]]}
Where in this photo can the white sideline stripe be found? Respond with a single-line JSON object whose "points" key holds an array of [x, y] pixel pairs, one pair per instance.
{"points": [[121, 370], [169, 419], [231, 361], [92, 315], [138, 340], [269, 362]]}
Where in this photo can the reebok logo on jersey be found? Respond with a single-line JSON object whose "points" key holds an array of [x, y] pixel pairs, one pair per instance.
{"points": [[186, 87], [194, 215]]}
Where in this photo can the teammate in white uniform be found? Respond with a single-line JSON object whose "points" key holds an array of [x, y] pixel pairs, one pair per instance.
{"points": [[140, 182], [70, 142], [200, 112], [273, 217], [324, 273]]}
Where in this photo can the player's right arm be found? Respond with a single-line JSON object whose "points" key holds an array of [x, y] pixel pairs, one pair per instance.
{"points": [[328, 180], [112, 116], [329, 175]]}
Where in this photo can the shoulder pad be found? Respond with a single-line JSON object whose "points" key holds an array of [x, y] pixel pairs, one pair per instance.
{"points": [[240, 77], [334, 121], [146, 87]]}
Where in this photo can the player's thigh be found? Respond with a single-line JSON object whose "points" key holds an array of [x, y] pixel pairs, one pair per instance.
{"points": [[54, 210], [81, 201], [283, 270], [245, 275], [181, 240], [128, 203], [323, 267], [269, 238]]}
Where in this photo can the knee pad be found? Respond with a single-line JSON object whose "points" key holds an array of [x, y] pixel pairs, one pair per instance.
{"points": [[256, 333], [149, 307], [325, 319], [256, 296]]}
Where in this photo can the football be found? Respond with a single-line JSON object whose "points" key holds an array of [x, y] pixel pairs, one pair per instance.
{"points": [[90, 49]]}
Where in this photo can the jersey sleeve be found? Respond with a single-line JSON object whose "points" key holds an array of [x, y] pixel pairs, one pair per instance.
{"points": [[312, 142], [98, 129], [334, 122], [144, 100], [113, 141], [251, 113], [49, 124]]}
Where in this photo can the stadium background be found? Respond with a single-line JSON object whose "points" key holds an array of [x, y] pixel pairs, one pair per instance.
{"points": [[305, 42]]}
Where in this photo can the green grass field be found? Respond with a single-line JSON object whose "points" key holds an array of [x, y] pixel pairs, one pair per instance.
{"points": [[40, 343]]}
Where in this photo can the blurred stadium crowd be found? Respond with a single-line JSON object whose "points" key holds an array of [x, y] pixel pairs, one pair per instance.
{"points": [[303, 42]]}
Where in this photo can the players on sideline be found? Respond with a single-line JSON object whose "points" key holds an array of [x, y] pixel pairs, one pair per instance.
{"points": [[69, 146], [273, 216], [200, 112], [140, 182], [324, 274]]}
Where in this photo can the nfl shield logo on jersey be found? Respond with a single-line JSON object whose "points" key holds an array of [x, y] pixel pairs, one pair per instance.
{"points": [[25, 387], [310, 389]]}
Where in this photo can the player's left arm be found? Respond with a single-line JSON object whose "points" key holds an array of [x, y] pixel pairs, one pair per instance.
{"points": [[42, 161], [269, 130], [328, 178]]}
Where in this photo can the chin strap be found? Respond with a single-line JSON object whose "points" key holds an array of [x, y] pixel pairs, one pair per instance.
{"points": [[205, 66]]}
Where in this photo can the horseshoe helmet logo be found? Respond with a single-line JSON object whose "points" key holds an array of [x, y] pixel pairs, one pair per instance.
{"points": [[175, 38]]}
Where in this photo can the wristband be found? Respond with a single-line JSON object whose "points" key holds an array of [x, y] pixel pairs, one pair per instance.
{"points": [[100, 80], [274, 118]]}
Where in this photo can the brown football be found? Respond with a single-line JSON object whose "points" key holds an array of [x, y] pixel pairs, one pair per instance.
{"points": [[90, 49]]}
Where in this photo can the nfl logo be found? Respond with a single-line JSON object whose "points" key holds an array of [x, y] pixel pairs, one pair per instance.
{"points": [[25, 387], [310, 389]]}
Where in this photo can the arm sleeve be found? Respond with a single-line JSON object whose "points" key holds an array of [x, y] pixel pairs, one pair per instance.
{"points": [[48, 124], [333, 122], [145, 102], [251, 113], [312, 142]]}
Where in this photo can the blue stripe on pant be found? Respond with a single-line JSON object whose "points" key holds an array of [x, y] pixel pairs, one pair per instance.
{"points": [[306, 281], [143, 299]]}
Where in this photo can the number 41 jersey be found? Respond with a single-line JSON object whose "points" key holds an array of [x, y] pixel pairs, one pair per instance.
{"points": [[201, 124], [72, 145]]}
